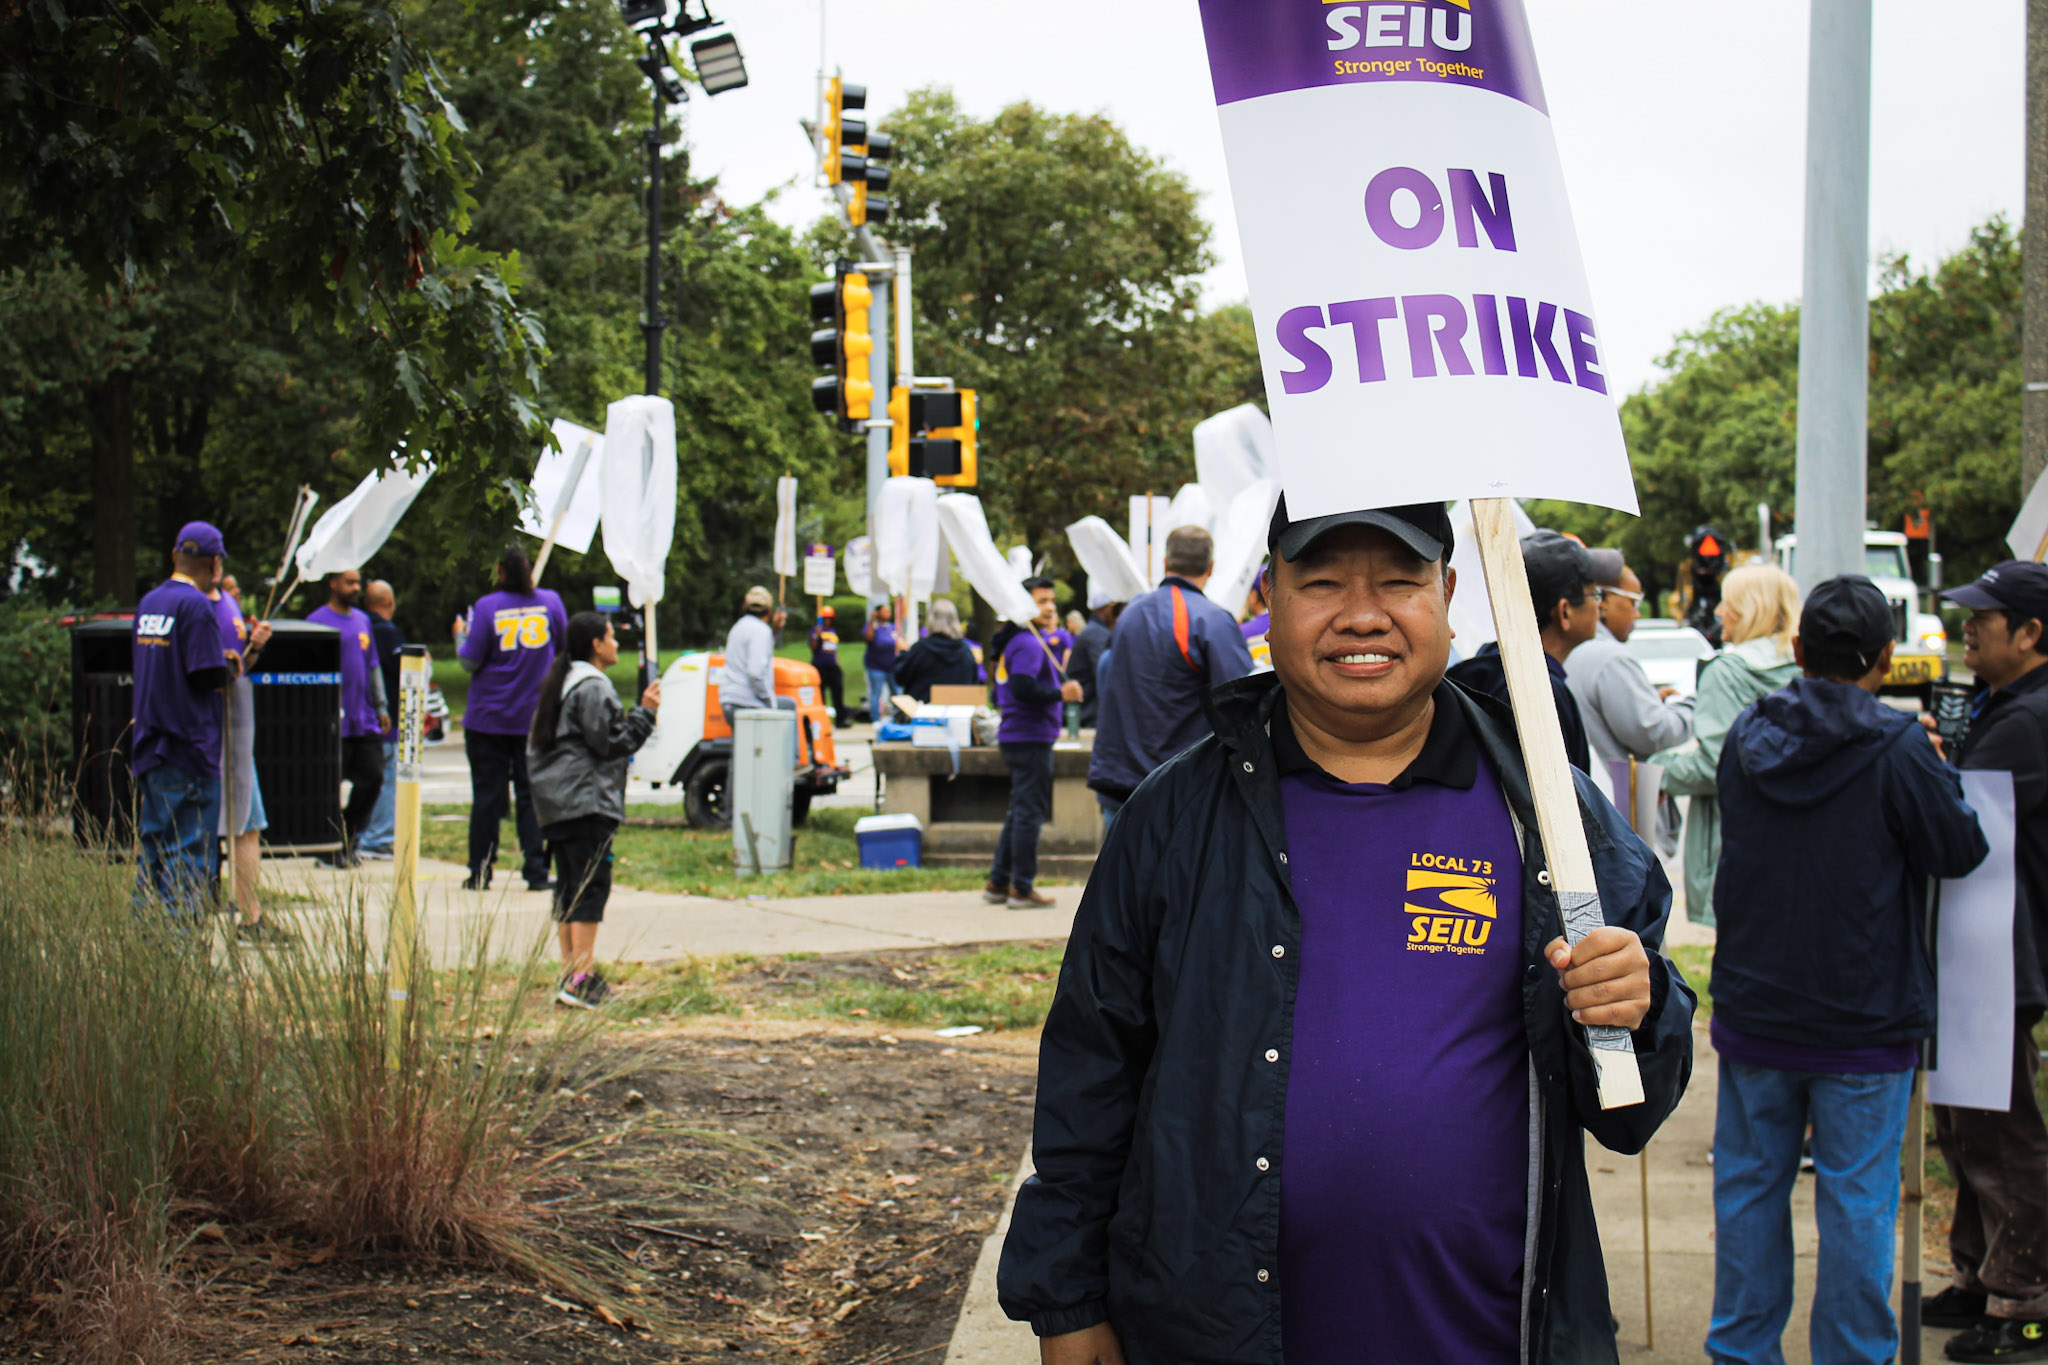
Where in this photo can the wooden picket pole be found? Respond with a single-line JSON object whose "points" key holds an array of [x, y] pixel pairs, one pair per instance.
{"points": [[1550, 774]]}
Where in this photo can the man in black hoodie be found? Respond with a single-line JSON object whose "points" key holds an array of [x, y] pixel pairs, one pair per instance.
{"points": [[1835, 811], [1999, 1239]]}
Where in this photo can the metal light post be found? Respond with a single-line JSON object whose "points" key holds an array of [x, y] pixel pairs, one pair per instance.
{"points": [[1834, 309], [719, 68]]}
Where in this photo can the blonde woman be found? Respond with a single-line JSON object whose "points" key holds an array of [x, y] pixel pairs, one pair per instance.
{"points": [[1759, 612]]}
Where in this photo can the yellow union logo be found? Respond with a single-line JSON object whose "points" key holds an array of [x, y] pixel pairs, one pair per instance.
{"points": [[1459, 918]]}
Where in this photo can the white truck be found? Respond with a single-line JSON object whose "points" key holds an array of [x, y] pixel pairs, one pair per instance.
{"points": [[1920, 651]]}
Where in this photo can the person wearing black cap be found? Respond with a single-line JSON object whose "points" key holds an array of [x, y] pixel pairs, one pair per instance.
{"points": [[1836, 810], [1315, 1080], [1998, 1240], [180, 671], [1564, 587]]}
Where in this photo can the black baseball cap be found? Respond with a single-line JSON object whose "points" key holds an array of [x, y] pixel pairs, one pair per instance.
{"points": [[1559, 568], [2016, 585], [1848, 612], [1424, 527]]}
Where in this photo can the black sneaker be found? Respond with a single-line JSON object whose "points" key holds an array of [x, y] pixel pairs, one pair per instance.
{"points": [[340, 859], [264, 934], [583, 991], [1952, 1308], [477, 881], [2000, 1339], [542, 885]]}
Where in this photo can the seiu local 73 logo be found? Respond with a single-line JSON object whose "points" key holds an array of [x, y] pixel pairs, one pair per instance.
{"points": [[1457, 910]]}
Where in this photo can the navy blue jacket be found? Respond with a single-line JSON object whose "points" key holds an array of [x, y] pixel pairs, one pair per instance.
{"points": [[1152, 698], [1162, 1076], [1485, 674], [2009, 733], [1835, 811]]}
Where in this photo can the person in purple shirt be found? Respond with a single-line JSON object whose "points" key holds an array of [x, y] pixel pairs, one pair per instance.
{"points": [[513, 635], [365, 711], [880, 659], [1315, 1085], [1029, 691], [180, 668]]}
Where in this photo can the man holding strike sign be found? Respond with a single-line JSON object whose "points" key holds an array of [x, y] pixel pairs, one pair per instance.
{"points": [[1355, 974]]}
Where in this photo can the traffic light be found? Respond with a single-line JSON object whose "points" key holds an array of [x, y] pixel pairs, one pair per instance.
{"points": [[851, 152], [961, 435], [899, 432], [844, 346], [866, 207], [931, 435]]}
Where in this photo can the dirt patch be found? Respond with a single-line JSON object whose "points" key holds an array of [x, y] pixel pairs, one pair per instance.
{"points": [[764, 1189]]}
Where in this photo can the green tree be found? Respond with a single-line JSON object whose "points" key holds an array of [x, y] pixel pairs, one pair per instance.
{"points": [[1058, 272], [1718, 434], [302, 155]]}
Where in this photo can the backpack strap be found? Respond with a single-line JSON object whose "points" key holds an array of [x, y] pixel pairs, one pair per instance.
{"points": [[1180, 626]]}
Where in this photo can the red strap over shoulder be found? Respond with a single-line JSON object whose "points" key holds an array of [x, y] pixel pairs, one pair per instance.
{"points": [[1180, 626]]}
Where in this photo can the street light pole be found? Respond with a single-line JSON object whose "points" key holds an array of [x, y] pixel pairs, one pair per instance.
{"points": [[655, 321], [1834, 308]]}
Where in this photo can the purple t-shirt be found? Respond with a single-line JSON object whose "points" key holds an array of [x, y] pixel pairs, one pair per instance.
{"points": [[234, 627], [1405, 1162], [1747, 1049], [512, 639], [881, 652], [1026, 722], [359, 660], [176, 634]]}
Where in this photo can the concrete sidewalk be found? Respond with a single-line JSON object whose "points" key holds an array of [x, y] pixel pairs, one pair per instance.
{"points": [[1681, 1200], [652, 926]]}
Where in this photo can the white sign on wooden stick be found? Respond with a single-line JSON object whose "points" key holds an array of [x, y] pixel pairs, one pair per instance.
{"points": [[1423, 317], [819, 572]]}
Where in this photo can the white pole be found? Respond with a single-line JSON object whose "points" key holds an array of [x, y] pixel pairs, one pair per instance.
{"points": [[1834, 310]]}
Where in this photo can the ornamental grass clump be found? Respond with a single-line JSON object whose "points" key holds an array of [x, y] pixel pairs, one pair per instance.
{"points": [[156, 1080]]}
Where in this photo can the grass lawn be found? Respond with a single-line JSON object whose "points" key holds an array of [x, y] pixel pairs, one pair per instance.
{"points": [[1695, 960], [454, 683], [699, 862], [1005, 986]]}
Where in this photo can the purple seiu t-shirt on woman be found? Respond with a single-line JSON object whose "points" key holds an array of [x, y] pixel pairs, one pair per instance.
{"points": [[358, 661], [512, 640], [881, 651], [1405, 1161], [176, 634], [1026, 722]]}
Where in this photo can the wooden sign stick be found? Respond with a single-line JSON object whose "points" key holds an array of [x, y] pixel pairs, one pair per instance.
{"points": [[1550, 774]]}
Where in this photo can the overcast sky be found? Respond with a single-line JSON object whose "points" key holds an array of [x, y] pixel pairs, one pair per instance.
{"points": [[1681, 127]]}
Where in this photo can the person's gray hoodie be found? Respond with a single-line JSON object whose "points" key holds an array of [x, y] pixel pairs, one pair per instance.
{"points": [[583, 772]]}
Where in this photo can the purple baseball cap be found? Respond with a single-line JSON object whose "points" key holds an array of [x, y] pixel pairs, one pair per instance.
{"points": [[199, 538]]}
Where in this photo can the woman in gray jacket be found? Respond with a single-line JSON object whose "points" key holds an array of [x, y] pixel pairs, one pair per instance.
{"points": [[576, 758]]}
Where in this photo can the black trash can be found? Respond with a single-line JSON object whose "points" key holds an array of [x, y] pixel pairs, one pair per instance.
{"points": [[297, 684], [102, 719]]}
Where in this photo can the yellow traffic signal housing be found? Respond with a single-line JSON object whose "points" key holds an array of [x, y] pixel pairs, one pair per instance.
{"points": [[899, 432], [856, 345], [846, 346], [964, 433]]}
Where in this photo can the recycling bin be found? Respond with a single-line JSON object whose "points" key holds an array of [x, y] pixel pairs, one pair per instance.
{"points": [[297, 686]]}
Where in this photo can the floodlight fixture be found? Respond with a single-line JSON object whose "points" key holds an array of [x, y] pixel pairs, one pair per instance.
{"points": [[718, 63]]}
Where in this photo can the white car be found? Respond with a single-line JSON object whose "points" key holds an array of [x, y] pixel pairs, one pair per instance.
{"points": [[1669, 652]]}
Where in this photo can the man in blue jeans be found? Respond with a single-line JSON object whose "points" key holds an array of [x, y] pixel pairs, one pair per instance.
{"points": [[1835, 811], [180, 669], [1029, 693]]}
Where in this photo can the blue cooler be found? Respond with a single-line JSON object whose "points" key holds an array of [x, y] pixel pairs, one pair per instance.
{"points": [[890, 841]]}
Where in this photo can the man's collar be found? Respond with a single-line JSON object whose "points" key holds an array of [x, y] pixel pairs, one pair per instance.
{"points": [[1449, 757], [2037, 676], [1601, 632], [186, 580], [1176, 580]]}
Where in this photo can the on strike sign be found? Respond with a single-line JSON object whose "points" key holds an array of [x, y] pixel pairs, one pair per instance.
{"points": [[1423, 318]]}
